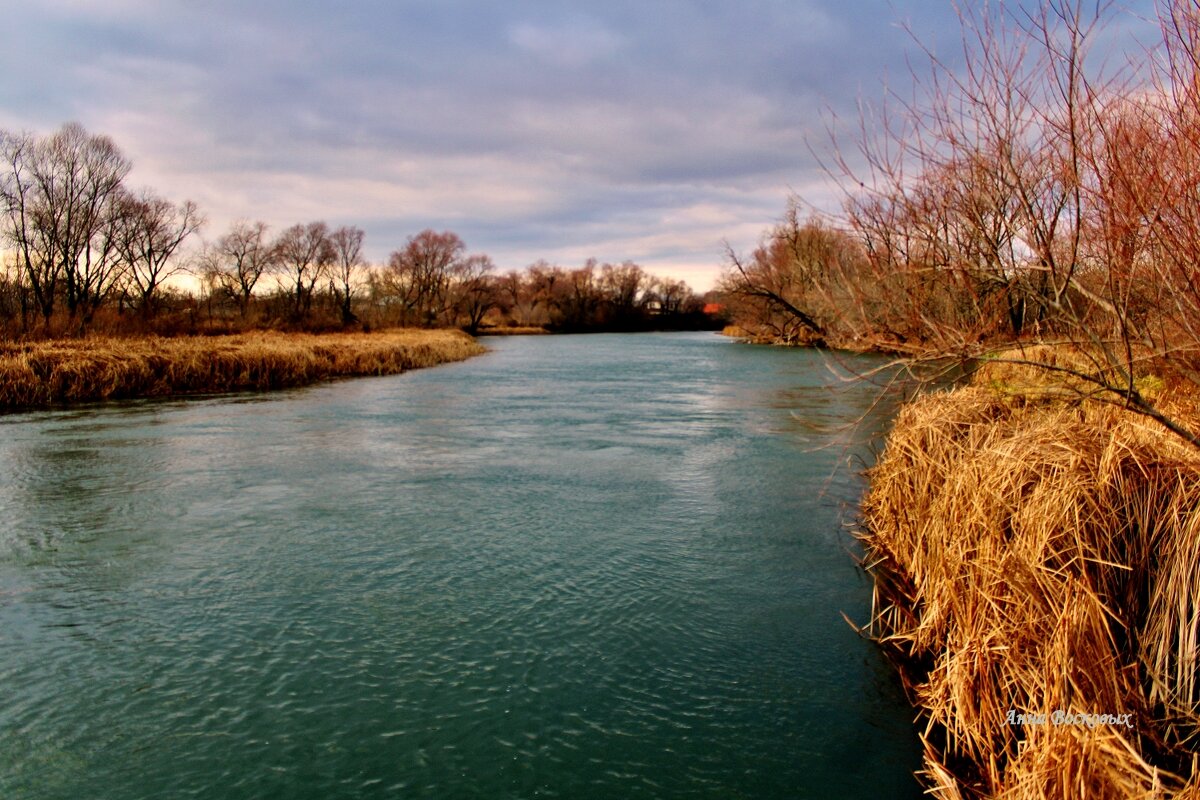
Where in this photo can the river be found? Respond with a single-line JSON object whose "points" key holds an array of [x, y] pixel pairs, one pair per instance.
{"points": [[577, 566]]}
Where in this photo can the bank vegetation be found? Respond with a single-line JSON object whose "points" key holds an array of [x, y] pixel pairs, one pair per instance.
{"points": [[1037, 580], [1043, 193], [52, 372]]}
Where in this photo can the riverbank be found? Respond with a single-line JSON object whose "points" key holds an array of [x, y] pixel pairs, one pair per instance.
{"points": [[512, 330], [39, 374], [801, 338], [1037, 579]]}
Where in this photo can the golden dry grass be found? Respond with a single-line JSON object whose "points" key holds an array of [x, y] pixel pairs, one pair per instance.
{"points": [[1058, 370], [80, 370], [1036, 556]]}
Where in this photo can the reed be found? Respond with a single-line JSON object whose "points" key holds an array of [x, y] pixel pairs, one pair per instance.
{"points": [[1034, 556], [39, 374]]}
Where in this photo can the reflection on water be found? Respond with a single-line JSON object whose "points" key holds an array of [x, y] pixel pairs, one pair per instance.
{"points": [[606, 566]]}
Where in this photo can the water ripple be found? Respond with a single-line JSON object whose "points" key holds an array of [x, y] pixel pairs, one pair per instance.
{"points": [[579, 566]]}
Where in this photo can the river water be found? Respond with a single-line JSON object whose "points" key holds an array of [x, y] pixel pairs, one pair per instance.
{"points": [[578, 566]]}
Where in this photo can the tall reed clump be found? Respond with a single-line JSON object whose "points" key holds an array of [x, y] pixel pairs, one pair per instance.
{"points": [[69, 371], [1036, 562]]}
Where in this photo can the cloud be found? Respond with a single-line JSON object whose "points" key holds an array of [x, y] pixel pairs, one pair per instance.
{"points": [[647, 131], [572, 43]]}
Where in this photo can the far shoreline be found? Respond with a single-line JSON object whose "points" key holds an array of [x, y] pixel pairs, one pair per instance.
{"points": [[65, 372]]}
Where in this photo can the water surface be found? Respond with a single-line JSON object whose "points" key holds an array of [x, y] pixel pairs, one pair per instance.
{"points": [[578, 566]]}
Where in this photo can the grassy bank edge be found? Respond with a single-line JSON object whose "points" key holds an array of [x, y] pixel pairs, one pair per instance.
{"points": [[860, 344], [66, 371], [1033, 556]]}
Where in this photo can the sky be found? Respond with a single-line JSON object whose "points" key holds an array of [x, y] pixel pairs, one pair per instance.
{"points": [[654, 131]]}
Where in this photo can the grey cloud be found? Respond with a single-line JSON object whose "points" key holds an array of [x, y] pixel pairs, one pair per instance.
{"points": [[572, 43], [527, 126]]}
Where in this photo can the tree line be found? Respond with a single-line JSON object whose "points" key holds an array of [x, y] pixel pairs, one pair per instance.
{"points": [[77, 234], [1038, 195], [434, 282], [84, 250]]}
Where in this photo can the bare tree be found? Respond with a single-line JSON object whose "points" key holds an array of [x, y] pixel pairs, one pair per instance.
{"points": [[79, 177], [150, 230], [672, 296], [15, 296], [513, 297], [304, 255], [577, 296], [419, 274], [1044, 194], [797, 285], [543, 285], [626, 289], [473, 289], [36, 256], [347, 260], [238, 260], [59, 194]]}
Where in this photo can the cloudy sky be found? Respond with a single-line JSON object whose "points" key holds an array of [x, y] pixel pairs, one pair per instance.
{"points": [[650, 130]]}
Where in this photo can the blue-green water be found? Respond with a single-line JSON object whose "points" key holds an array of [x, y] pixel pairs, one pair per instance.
{"points": [[605, 566]]}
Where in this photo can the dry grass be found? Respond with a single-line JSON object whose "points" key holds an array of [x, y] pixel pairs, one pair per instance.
{"points": [[762, 335], [1058, 370], [70, 371], [1037, 556]]}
